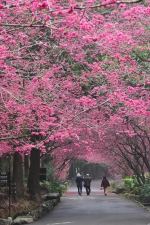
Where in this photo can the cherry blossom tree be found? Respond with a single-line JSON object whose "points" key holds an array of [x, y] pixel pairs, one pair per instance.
{"points": [[71, 72]]}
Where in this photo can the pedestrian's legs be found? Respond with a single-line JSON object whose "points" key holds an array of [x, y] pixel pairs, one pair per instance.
{"points": [[105, 190], [87, 190], [79, 190]]}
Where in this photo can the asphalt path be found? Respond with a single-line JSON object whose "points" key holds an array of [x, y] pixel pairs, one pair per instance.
{"points": [[95, 209]]}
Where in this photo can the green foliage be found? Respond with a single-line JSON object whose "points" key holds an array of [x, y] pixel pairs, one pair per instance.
{"points": [[58, 187], [112, 184], [135, 181], [25, 180], [104, 11], [86, 87], [130, 182], [50, 170], [45, 186], [55, 186], [46, 182], [132, 186], [77, 68], [136, 190], [141, 56], [145, 193]]}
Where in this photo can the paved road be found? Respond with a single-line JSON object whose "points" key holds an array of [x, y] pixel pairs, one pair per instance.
{"points": [[95, 209]]}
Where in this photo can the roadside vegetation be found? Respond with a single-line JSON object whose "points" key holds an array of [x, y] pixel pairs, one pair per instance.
{"points": [[29, 203], [130, 188]]}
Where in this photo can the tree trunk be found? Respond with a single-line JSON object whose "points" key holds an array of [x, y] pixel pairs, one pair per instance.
{"points": [[18, 175], [34, 171], [26, 166]]}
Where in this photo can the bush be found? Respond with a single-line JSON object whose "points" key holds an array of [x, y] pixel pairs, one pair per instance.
{"points": [[112, 184], [45, 186], [130, 183], [145, 193], [59, 187], [54, 186], [137, 190]]}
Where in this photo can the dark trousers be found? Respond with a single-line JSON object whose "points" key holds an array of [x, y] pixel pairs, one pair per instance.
{"points": [[79, 189], [88, 190]]}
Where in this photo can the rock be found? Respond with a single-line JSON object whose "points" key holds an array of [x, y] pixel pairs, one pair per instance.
{"points": [[22, 220], [51, 196], [4, 222], [43, 209]]}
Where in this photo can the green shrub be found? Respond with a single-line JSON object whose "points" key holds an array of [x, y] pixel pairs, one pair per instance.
{"points": [[112, 184], [59, 187], [45, 186], [145, 193], [130, 182], [55, 187]]}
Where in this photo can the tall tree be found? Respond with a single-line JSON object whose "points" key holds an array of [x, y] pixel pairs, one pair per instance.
{"points": [[18, 175]]}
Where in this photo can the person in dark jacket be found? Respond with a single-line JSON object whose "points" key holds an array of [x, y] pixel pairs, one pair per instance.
{"points": [[105, 184], [79, 180], [87, 184]]}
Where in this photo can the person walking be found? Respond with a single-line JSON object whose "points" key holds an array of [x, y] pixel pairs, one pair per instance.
{"points": [[105, 184], [87, 184], [79, 180]]}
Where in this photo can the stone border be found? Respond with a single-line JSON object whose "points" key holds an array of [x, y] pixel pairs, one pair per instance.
{"points": [[51, 200]]}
